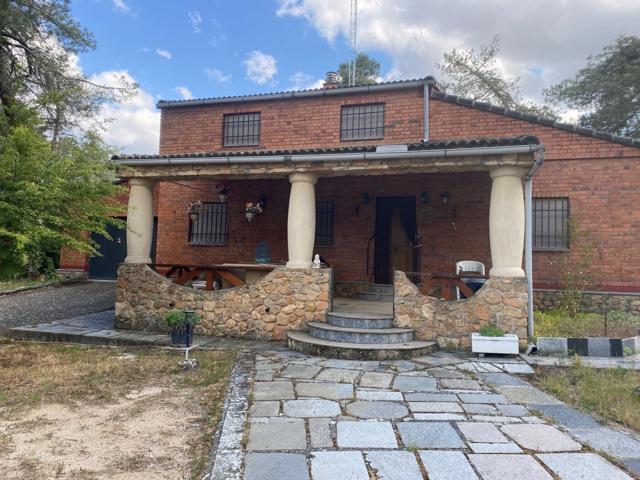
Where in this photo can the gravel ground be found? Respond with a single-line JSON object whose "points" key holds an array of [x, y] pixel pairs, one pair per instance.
{"points": [[55, 303]]}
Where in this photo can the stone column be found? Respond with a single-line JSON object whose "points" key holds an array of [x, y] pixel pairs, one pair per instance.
{"points": [[506, 222], [301, 221], [139, 221]]}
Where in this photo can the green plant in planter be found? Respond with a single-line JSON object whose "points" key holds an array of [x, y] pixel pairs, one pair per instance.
{"points": [[179, 318], [491, 330]]}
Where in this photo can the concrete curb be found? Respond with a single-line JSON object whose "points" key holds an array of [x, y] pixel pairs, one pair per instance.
{"points": [[227, 452]]}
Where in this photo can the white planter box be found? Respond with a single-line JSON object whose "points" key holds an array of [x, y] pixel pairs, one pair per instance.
{"points": [[507, 344]]}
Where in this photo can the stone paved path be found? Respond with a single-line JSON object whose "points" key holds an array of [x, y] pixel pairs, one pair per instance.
{"points": [[440, 417], [54, 303]]}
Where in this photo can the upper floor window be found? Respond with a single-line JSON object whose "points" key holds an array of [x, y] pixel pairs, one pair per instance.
{"points": [[550, 223], [210, 226], [362, 122], [241, 129]]}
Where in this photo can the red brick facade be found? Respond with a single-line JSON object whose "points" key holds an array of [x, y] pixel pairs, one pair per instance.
{"points": [[601, 179]]}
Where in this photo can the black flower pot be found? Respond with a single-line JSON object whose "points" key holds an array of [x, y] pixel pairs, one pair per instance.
{"points": [[182, 336]]}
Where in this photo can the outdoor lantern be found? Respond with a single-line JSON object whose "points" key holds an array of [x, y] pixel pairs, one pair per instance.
{"points": [[223, 194], [424, 198], [262, 202], [249, 214], [194, 210], [365, 198], [444, 196]]}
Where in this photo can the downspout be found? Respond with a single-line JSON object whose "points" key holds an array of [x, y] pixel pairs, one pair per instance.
{"points": [[425, 112], [528, 236]]}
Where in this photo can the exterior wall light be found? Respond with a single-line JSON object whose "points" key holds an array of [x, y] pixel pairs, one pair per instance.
{"points": [[365, 198], [223, 194], [194, 210], [444, 196], [424, 198]]}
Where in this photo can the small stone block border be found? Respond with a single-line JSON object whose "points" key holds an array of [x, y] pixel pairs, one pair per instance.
{"points": [[589, 346], [227, 453]]}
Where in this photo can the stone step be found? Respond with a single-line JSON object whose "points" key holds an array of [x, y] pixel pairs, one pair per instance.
{"points": [[359, 320], [375, 296], [305, 343], [376, 288], [360, 335]]}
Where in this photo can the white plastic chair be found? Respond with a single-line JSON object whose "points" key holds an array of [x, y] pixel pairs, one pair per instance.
{"points": [[470, 266]]}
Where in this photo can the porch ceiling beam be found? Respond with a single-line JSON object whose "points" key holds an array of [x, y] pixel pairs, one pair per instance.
{"points": [[371, 163]]}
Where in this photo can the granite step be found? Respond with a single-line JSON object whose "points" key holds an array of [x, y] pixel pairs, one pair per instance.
{"points": [[359, 320], [375, 296], [325, 331], [377, 288], [305, 343]]}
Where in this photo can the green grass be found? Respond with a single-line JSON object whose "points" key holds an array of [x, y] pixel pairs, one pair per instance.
{"points": [[610, 394], [557, 323], [23, 282]]}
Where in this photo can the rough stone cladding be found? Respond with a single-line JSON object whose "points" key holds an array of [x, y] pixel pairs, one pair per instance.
{"points": [[501, 301], [292, 123], [461, 230], [589, 302], [282, 300]]}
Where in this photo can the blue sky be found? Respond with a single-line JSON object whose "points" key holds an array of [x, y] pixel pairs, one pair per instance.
{"points": [[184, 49], [208, 43]]}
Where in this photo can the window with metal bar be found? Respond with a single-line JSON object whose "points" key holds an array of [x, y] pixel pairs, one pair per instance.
{"points": [[324, 224], [361, 122], [241, 129], [210, 227], [550, 223]]}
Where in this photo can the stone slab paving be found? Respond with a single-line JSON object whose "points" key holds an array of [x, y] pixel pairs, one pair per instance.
{"points": [[439, 417]]}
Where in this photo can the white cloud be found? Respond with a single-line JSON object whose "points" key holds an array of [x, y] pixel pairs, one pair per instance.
{"points": [[196, 21], [164, 53], [134, 124], [121, 6], [303, 81], [543, 42], [217, 75], [261, 67], [184, 93]]}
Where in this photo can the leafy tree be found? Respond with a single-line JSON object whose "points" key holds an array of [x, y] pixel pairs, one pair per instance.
{"points": [[367, 70], [56, 180], [476, 74], [39, 43], [52, 197], [608, 89]]}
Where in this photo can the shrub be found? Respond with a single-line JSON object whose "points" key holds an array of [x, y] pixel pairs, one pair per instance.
{"points": [[178, 318], [491, 330]]}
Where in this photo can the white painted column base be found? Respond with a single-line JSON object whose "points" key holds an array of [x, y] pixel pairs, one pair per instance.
{"points": [[139, 221], [506, 222], [301, 221]]}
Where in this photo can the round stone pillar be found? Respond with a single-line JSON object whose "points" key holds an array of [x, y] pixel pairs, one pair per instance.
{"points": [[139, 221], [506, 222], [301, 221]]}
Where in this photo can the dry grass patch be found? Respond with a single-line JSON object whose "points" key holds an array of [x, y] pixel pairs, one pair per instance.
{"points": [[610, 394], [69, 411]]}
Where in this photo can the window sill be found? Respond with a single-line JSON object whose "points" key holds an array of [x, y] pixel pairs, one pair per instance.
{"points": [[360, 139], [551, 250]]}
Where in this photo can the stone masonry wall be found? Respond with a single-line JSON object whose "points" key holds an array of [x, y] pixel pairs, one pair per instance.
{"points": [[502, 301], [591, 301], [282, 300]]}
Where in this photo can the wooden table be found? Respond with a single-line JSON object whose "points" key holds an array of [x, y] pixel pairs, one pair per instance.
{"points": [[447, 282], [181, 274]]}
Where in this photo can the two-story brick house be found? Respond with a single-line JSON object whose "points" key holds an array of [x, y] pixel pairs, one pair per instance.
{"points": [[396, 176]]}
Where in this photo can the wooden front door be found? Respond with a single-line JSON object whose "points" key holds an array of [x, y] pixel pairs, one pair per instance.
{"points": [[395, 231]]}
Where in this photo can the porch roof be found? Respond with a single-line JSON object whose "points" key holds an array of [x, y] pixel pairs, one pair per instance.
{"points": [[421, 157]]}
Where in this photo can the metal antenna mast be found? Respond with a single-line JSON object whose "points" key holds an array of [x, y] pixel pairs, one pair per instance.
{"points": [[353, 38]]}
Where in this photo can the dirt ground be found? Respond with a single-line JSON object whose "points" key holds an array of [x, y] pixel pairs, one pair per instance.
{"points": [[154, 431]]}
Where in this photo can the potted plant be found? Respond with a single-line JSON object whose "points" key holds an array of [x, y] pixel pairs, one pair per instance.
{"points": [[492, 339], [181, 323]]}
